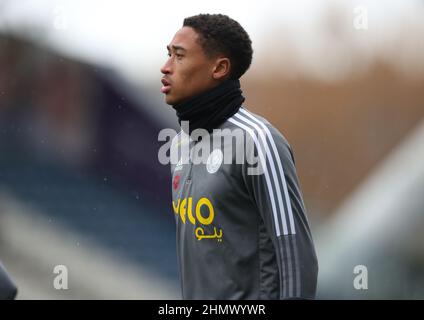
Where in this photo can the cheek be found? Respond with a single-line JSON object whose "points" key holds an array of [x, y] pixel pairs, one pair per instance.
{"points": [[194, 77], [187, 72]]}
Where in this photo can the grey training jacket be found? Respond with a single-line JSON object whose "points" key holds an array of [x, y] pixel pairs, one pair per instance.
{"points": [[242, 229]]}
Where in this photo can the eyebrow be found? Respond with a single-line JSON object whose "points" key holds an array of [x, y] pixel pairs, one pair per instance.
{"points": [[175, 48]]}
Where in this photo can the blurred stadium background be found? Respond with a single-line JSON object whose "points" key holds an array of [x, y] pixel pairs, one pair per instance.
{"points": [[80, 112]]}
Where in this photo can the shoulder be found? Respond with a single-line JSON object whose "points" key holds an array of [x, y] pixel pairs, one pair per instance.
{"points": [[258, 128], [263, 134], [176, 140], [180, 139]]}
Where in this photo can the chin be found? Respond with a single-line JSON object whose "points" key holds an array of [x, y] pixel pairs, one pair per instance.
{"points": [[171, 100]]}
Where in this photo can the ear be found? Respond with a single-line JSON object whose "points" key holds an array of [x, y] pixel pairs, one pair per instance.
{"points": [[221, 68]]}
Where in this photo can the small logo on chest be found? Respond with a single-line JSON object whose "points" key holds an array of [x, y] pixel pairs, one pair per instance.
{"points": [[214, 161]]}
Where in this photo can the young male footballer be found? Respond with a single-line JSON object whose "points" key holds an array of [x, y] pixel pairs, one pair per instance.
{"points": [[242, 228]]}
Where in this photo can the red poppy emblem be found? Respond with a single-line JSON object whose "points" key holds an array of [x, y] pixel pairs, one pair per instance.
{"points": [[176, 182]]}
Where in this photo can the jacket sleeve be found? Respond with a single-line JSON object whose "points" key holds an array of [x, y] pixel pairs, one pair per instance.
{"points": [[274, 188], [8, 289]]}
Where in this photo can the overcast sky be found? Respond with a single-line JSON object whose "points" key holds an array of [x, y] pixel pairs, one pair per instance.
{"points": [[131, 35]]}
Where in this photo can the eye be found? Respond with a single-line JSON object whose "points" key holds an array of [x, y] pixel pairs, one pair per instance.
{"points": [[179, 56], [168, 54]]}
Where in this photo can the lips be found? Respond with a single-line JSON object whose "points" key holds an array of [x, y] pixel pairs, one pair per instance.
{"points": [[166, 86]]}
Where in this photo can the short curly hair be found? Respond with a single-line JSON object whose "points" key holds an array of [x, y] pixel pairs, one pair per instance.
{"points": [[219, 34]]}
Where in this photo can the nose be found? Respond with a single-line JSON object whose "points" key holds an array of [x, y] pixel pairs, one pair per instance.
{"points": [[166, 68]]}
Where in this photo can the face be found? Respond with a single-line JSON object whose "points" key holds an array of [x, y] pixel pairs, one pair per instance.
{"points": [[188, 71]]}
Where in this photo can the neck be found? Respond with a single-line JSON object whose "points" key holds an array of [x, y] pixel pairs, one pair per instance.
{"points": [[209, 109]]}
